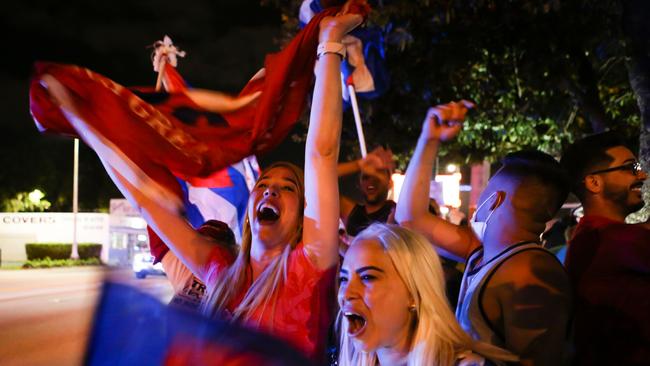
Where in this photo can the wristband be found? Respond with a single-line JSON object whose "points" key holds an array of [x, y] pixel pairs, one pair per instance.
{"points": [[330, 47]]}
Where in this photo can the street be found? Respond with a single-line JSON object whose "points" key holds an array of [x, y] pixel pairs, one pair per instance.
{"points": [[46, 314]]}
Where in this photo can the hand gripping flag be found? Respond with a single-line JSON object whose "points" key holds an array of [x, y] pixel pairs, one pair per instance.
{"points": [[223, 195], [365, 66], [152, 138]]}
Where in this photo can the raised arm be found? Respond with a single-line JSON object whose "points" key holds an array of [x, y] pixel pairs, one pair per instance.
{"points": [[192, 248], [320, 228], [442, 123], [182, 239], [376, 160]]}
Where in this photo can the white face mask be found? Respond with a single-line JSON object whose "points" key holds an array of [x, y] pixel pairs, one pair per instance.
{"points": [[479, 227]]}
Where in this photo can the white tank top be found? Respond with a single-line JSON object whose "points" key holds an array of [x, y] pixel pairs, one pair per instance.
{"points": [[469, 312]]}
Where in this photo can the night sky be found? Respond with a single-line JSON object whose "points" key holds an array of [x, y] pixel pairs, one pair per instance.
{"points": [[225, 40]]}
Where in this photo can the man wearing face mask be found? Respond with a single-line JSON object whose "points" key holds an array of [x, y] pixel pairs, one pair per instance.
{"points": [[514, 294]]}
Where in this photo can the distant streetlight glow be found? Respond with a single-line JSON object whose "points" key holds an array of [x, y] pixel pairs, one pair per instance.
{"points": [[35, 196], [451, 168]]}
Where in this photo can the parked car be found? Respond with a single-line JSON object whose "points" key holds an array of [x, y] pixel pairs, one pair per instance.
{"points": [[143, 265]]}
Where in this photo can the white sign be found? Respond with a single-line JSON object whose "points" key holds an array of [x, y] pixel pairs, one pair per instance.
{"points": [[19, 228], [122, 207]]}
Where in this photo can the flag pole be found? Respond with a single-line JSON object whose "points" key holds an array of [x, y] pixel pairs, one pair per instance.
{"points": [[357, 119]]}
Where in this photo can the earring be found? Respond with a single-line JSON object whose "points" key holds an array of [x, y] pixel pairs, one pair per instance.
{"points": [[412, 308]]}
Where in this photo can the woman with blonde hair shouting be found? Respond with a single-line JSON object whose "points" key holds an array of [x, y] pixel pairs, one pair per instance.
{"points": [[394, 310]]}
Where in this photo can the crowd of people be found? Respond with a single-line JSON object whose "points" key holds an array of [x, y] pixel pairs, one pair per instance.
{"points": [[517, 303]]}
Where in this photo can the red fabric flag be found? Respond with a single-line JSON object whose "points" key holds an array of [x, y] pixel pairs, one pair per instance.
{"points": [[151, 137]]}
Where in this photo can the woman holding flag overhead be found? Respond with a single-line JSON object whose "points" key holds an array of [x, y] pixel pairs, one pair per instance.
{"points": [[282, 281], [283, 278]]}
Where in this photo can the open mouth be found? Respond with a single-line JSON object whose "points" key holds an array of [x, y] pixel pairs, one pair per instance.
{"points": [[636, 187], [356, 323], [268, 214]]}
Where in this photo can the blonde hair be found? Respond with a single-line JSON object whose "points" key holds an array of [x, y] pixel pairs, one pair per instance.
{"points": [[233, 280], [436, 337]]}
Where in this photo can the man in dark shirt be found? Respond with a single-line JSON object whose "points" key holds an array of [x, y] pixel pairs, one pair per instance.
{"points": [[375, 183], [608, 260]]}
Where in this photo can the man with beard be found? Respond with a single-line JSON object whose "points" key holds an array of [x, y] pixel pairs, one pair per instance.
{"points": [[375, 182], [609, 260]]}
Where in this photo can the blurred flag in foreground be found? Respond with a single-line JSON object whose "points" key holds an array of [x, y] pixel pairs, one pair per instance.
{"points": [[132, 328]]}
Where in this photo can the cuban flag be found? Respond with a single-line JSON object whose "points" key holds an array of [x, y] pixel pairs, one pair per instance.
{"points": [[222, 196], [365, 66]]}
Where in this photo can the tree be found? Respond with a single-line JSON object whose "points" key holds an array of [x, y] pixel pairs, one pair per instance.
{"points": [[26, 202], [542, 72]]}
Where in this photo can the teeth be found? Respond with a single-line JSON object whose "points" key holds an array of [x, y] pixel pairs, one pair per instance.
{"points": [[268, 212], [265, 205], [355, 322]]}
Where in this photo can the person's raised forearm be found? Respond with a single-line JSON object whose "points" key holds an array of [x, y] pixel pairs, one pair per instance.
{"points": [[348, 168], [320, 224], [414, 196]]}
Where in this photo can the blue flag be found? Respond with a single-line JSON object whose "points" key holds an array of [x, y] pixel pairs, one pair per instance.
{"points": [[133, 328]]}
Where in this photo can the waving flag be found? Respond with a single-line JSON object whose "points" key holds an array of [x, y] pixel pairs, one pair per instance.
{"points": [[151, 138], [365, 66], [223, 196], [132, 328]]}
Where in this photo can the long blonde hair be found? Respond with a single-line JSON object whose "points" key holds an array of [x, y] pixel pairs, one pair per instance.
{"points": [[436, 337], [262, 292]]}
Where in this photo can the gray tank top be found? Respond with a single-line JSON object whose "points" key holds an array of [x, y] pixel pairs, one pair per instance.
{"points": [[469, 312]]}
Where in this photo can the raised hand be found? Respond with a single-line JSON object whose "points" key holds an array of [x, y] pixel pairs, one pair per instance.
{"points": [[378, 159], [333, 29], [444, 122]]}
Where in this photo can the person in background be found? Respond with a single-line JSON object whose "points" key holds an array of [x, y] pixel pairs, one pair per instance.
{"points": [[608, 260], [514, 293], [375, 182]]}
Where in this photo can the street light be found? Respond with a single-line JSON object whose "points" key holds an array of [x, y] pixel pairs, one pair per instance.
{"points": [[75, 193], [35, 196]]}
